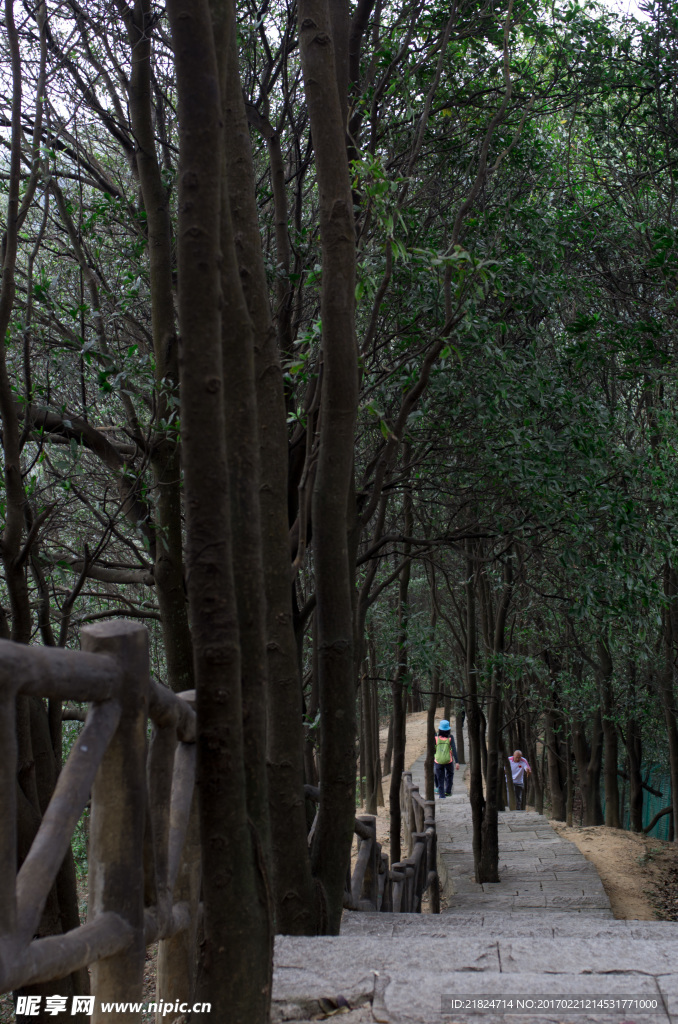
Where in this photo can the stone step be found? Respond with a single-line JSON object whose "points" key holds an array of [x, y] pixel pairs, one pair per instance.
{"points": [[404, 981], [517, 923]]}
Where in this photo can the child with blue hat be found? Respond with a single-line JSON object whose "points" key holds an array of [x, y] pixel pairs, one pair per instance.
{"points": [[445, 757]]}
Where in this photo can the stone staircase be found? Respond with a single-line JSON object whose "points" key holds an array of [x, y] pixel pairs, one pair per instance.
{"points": [[540, 946]]}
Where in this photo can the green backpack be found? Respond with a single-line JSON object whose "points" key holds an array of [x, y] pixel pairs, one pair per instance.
{"points": [[443, 749]]}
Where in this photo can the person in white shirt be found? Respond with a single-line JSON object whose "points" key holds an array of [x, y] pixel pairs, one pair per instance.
{"points": [[519, 770]]}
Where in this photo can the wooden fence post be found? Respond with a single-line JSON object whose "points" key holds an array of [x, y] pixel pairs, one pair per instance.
{"points": [[176, 955], [385, 885], [116, 880], [433, 878], [8, 838], [370, 886]]}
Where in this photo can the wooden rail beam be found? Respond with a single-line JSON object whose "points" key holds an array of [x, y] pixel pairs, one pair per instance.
{"points": [[168, 709], [58, 955], [57, 673], [49, 847]]}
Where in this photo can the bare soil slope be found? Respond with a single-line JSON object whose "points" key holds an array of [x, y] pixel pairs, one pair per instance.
{"points": [[636, 871]]}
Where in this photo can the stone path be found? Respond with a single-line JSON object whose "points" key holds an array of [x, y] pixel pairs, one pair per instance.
{"points": [[538, 869], [545, 932]]}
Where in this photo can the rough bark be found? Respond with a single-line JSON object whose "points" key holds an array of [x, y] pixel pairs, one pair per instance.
{"points": [[589, 757], [229, 887], [489, 862], [400, 680], [165, 458], [242, 446], [610, 735], [336, 814], [555, 761], [12, 535], [634, 752], [459, 729], [292, 882], [668, 688], [476, 797]]}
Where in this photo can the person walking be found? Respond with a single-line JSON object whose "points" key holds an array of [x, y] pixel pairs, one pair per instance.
{"points": [[445, 760], [519, 770]]}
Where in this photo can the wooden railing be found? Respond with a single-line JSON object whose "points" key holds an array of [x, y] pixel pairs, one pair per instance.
{"points": [[144, 862], [420, 868], [398, 888]]}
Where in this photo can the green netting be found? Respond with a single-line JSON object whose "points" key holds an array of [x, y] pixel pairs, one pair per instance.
{"points": [[661, 782]]}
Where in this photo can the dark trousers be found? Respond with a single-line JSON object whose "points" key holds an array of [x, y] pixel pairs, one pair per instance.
{"points": [[519, 796], [444, 777]]}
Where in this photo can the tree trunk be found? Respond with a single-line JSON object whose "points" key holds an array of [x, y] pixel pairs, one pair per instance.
{"points": [[610, 738], [168, 572], [242, 447], [430, 734], [483, 745], [370, 760], [362, 764], [334, 833], [230, 892], [556, 767], [400, 680], [509, 782], [569, 803], [292, 882], [447, 702], [589, 764], [476, 797], [459, 729], [388, 753], [489, 863], [668, 689], [536, 777]]}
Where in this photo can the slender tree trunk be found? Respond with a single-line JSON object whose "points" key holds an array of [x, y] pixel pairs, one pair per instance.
{"points": [[12, 535], [242, 447], [296, 912], [168, 573], [509, 783], [430, 735], [610, 737], [400, 680], [536, 777], [334, 833], [433, 697], [556, 767], [668, 687], [370, 760], [362, 762], [473, 715], [61, 909], [501, 786], [230, 891], [374, 689], [489, 863], [459, 729], [447, 702], [570, 780], [483, 745], [589, 764], [388, 753], [634, 752]]}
